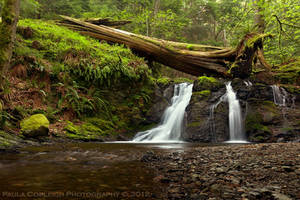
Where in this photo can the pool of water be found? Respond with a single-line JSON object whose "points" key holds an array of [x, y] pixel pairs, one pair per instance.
{"points": [[81, 170]]}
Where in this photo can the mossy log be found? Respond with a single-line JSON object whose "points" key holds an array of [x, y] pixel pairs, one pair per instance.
{"points": [[193, 59], [105, 22]]}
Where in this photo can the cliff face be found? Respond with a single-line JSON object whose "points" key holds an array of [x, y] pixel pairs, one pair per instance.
{"points": [[265, 120]]}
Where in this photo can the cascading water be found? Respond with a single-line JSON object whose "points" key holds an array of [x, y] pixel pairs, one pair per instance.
{"points": [[236, 131], [279, 95], [235, 117], [172, 120]]}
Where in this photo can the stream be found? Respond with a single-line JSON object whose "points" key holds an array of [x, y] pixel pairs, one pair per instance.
{"points": [[82, 170]]}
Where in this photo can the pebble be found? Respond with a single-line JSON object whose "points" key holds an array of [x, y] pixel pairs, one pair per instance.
{"points": [[251, 171]]}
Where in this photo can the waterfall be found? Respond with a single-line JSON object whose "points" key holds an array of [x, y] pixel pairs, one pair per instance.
{"points": [[279, 95], [236, 130], [235, 117], [248, 83], [171, 124]]}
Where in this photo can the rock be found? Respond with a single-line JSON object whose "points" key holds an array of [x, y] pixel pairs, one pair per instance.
{"points": [[287, 168], [35, 126], [161, 101], [279, 196]]}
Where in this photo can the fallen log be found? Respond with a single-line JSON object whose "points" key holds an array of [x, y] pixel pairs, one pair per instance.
{"points": [[105, 22], [193, 59]]}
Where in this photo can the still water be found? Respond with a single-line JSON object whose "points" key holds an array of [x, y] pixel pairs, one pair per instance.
{"points": [[81, 171]]}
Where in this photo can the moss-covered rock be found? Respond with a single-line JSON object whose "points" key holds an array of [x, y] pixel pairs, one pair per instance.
{"points": [[163, 81], [93, 129], [203, 93], [255, 129], [207, 83], [35, 126]]}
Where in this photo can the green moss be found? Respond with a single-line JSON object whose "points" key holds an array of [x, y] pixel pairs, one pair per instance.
{"points": [[203, 93], [190, 47], [91, 129], [182, 80], [71, 128], [292, 89], [194, 124], [163, 80], [8, 141], [206, 79], [207, 83], [250, 42], [254, 123], [34, 122], [234, 65], [288, 73]]}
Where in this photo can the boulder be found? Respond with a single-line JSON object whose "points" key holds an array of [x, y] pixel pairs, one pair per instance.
{"points": [[35, 126], [161, 100]]}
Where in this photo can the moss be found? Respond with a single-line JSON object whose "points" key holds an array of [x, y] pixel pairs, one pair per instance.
{"points": [[250, 42], [8, 141], [254, 123], [288, 73], [182, 80], [292, 89], [207, 83], [194, 124], [71, 128], [234, 65], [163, 80], [203, 93], [206, 79], [34, 122], [190, 47], [101, 123], [91, 129]]}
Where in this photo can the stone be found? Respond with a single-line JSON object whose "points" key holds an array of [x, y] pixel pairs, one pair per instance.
{"points": [[35, 126], [279, 196]]}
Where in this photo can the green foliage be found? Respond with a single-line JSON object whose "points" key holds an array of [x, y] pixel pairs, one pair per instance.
{"points": [[163, 80], [91, 129], [86, 58], [288, 73]]}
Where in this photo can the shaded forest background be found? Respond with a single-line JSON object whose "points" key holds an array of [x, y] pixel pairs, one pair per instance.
{"points": [[98, 91], [213, 22]]}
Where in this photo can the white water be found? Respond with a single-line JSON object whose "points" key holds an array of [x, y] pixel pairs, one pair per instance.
{"points": [[236, 130], [248, 83], [235, 117], [279, 95], [172, 120]]}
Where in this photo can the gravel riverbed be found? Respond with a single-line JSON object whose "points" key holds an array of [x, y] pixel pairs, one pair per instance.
{"points": [[249, 171]]}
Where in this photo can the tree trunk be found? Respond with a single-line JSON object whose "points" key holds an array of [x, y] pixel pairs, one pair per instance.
{"points": [[193, 59], [259, 18], [260, 25], [8, 26]]}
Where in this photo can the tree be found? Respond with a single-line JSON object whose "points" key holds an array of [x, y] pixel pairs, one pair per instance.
{"points": [[8, 26]]}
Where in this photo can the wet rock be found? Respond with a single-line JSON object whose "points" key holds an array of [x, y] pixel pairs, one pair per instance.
{"points": [[161, 100], [279, 196]]}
